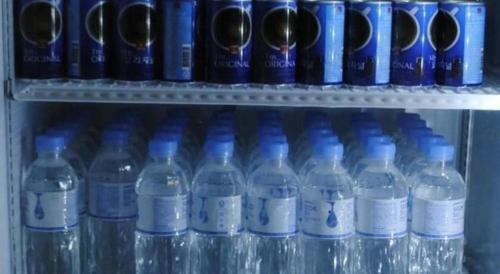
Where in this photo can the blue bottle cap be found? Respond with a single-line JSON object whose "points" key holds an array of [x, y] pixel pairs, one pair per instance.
{"points": [[275, 149], [415, 134], [440, 152], [374, 139], [163, 146], [381, 151], [67, 133], [115, 136], [362, 132], [220, 146], [329, 149], [50, 143], [425, 141], [405, 117], [324, 137]]}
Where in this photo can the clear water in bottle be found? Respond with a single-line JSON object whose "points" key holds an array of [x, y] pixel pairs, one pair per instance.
{"points": [[437, 237], [112, 205], [161, 237], [327, 213], [78, 165], [381, 200], [50, 205], [218, 245], [271, 214]]}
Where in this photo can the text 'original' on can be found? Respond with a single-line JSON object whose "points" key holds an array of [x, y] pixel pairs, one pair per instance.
{"points": [[368, 43], [320, 41], [274, 48], [413, 59], [178, 21], [460, 43], [72, 35], [135, 40], [229, 39], [96, 26], [40, 39]]}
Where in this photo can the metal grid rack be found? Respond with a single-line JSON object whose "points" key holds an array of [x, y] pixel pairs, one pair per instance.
{"points": [[486, 97]]}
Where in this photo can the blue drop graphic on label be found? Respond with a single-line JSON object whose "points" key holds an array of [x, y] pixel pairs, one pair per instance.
{"points": [[203, 214], [331, 221], [263, 216], [39, 214]]}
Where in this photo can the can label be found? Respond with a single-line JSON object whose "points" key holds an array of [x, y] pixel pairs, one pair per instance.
{"points": [[368, 47], [178, 50], [381, 218], [230, 41], [330, 219], [320, 42], [40, 51], [51, 211], [274, 217], [162, 215], [113, 201], [275, 42], [72, 30], [136, 41], [413, 43], [438, 219], [461, 43], [217, 215], [96, 32]]}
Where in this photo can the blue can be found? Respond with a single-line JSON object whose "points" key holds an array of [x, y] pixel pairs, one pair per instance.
{"points": [[96, 26], [320, 42], [40, 39], [460, 34], [72, 43], [413, 61], [178, 20], [274, 49], [368, 43], [135, 46], [200, 41], [230, 41]]}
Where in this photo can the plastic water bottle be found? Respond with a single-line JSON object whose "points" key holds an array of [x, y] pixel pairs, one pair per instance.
{"points": [[271, 213], [261, 159], [355, 150], [50, 205], [381, 198], [112, 205], [410, 150], [80, 169], [417, 164], [161, 238], [218, 245], [181, 156], [437, 236], [327, 238]]}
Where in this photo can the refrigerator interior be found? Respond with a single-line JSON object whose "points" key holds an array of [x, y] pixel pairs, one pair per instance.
{"points": [[25, 110]]}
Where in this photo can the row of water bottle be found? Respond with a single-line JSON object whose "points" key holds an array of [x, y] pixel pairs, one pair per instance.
{"points": [[228, 202]]}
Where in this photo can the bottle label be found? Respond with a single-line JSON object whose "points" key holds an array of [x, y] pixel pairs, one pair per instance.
{"points": [[217, 215], [272, 216], [162, 215], [113, 201], [51, 211], [438, 219], [332, 219], [381, 218]]}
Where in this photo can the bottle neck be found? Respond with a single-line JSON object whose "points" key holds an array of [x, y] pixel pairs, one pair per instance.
{"points": [[382, 162], [278, 161], [439, 164], [222, 160], [50, 155], [329, 163]]}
